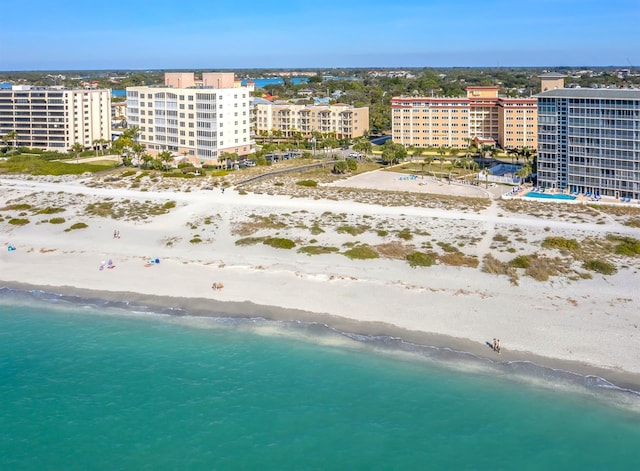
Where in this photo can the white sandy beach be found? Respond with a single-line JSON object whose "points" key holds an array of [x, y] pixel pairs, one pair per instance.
{"points": [[591, 322]]}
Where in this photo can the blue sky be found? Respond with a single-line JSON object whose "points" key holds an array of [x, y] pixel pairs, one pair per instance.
{"points": [[164, 34]]}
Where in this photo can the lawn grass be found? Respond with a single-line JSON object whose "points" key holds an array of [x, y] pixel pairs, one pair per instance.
{"points": [[35, 165]]}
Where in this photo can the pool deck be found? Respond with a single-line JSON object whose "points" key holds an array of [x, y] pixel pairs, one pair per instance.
{"points": [[521, 193]]}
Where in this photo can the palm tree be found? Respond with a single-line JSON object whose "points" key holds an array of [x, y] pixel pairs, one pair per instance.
{"points": [[524, 172], [441, 151], [512, 153], [138, 150], [165, 157], [426, 161], [11, 136], [527, 153], [487, 172], [131, 133], [146, 158], [98, 144], [411, 150], [76, 149]]}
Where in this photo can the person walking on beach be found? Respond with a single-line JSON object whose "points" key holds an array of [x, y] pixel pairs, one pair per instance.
{"points": [[498, 346], [494, 344]]}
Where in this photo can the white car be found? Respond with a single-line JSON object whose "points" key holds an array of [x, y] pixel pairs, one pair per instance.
{"points": [[354, 155]]}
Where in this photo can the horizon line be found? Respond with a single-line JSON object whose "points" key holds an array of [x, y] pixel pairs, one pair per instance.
{"points": [[160, 69]]}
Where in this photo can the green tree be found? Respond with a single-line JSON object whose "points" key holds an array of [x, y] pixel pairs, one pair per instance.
{"points": [[340, 166], [393, 153], [76, 149], [122, 146], [363, 145]]}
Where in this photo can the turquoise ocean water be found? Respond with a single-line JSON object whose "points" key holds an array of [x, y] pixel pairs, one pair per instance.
{"points": [[98, 387]]}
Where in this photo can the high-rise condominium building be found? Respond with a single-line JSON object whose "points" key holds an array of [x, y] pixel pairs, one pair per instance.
{"points": [[454, 122], [589, 141], [55, 118], [199, 118], [344, 120]]}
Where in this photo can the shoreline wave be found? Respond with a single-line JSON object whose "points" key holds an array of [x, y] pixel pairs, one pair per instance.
{"points": [[527, 372]]}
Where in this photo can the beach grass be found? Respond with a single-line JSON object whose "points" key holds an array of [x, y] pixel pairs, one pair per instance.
{"points": [[77, 225], [600, 266], [317, 250], [279, 243], [361, 252], [50, 210], [249, 241], [421, 259], [18, 221]]}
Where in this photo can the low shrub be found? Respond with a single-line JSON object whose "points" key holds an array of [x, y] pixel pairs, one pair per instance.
{"points": [[308, 183], [16, 207], [560, 243], [542, 268], [361, 252], [50, 210], [420, 259], [352, 230], [522, 261], [627, 246], [279, 243], [405, 234], [458, 259], [249, 241], [57, 221], [600, 266], [447, 247], [492, 265], [77, 225], [317, 250], [316, 229], [18, 221]]}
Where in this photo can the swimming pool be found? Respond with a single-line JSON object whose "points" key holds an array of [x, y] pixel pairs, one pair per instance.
{"points": [[550, 196]]}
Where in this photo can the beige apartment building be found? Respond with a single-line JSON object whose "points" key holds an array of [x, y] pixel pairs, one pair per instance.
{"points": [[199, 118], [453, 122], [344, 120], [55, 118]]}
